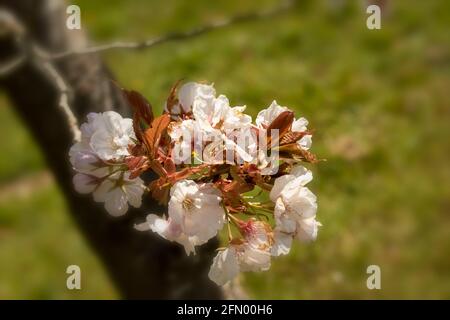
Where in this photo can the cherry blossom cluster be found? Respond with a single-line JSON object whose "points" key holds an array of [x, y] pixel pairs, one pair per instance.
{"points": [[216, 169]]}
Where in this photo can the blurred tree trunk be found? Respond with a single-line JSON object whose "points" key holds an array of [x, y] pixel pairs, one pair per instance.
{"points": [[141, 265]]}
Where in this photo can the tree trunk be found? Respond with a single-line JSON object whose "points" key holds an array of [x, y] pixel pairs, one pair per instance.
{"points": [[141, 264]]}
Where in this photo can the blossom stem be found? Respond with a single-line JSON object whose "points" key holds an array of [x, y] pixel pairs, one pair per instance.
{"points": [[264, 206], [253, 207], [230, 235], [234, 219]]}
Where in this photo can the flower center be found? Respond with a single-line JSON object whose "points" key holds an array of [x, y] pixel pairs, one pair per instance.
{"points": [[188, 204]]}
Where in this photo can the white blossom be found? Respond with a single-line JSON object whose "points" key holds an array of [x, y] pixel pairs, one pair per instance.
{"points": [[245, 143], [295, 196], [190, 94], [169, 230], [117, 191], [282, 243], [85, 183], [236, 119], [82, 156], [215, 122], [197, 208], [90, 154], [266, 116], [112, 135], [106, 136], [182, 135], [307, 229], [253, 254], [295, 209], [229, 148], [225, 266], [268, 164], [210, 113], [300, 125], [195, 215]]}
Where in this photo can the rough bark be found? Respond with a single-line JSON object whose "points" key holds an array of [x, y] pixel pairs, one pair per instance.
{"points": [[140, 264]]}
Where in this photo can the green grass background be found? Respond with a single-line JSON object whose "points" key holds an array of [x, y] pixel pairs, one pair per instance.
{"points": [[378, 100]]}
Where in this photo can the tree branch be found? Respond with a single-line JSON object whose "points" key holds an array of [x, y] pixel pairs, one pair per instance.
{"points": [[63, 90], [178, 36], [11, 65], [42, 58], [31, 52]]}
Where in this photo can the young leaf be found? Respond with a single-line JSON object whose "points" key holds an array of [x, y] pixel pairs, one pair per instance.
{"points": [[291, 137], [282, 123], [140, 105], [142, 111], [153, 134], [172, 100]]}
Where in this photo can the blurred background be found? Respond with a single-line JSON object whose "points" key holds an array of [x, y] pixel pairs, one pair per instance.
{"points": [[378, 101]]}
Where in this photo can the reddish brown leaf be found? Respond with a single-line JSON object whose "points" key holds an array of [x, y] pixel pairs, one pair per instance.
{"points": [[136, 150], [169, 166], [282, 123], [291, 137], [186, 172], [231, 193], [137, 127], [153, 134], [142, 111], [172, 100], [159, 189], [140, 105], [158, 168], [137, 165], [238, 187]]}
